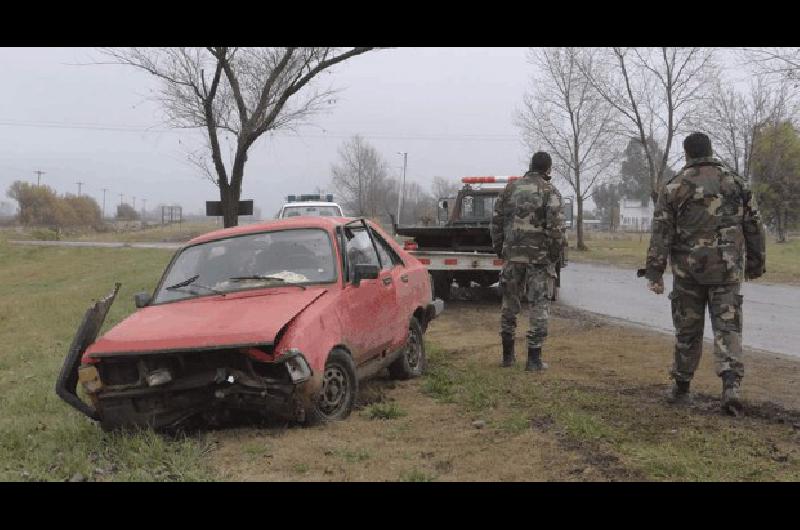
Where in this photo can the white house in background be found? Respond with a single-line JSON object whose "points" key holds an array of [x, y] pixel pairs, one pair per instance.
{"points": [[635, 214]]}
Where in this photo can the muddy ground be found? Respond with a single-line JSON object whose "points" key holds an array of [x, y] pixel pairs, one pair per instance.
{"points": [[598, 414]]}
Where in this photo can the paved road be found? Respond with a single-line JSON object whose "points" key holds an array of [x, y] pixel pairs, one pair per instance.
{"points": [[97, 244], [771, 312]]}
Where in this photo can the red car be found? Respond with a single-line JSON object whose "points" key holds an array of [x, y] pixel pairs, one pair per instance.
{"points": [[282, 318]]}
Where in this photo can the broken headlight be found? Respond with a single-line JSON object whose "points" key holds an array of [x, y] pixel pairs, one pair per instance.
{"points": [[298, 367]]}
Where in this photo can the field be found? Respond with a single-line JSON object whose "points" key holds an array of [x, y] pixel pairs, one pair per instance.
{"points": [[598, 414], [630, 250]]}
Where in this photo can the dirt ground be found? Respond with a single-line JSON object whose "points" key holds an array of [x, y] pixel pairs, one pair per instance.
{"points": [[598, 414]]}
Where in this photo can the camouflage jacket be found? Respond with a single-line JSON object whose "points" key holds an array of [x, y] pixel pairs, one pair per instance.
{"points": [[706, 221], [528, 221]]}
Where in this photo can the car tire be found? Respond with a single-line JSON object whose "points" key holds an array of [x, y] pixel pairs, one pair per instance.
{"points": [[339, 390], [412, 362]]}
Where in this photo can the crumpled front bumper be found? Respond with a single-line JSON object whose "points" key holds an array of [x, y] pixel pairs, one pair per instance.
{"points": [[162, 389]]}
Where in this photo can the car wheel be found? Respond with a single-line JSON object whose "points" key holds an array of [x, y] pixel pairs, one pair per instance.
{"points": [[339, 389], [412, 362]]}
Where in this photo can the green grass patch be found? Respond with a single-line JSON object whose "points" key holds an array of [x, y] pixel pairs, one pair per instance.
{"points": [[384, 411], [349, 455], [44, 293], [417, 475], [630, 250]]}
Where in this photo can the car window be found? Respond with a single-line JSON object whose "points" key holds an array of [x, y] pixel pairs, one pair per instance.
{"points": [[388, 256], [359, 250], [236, 263]]}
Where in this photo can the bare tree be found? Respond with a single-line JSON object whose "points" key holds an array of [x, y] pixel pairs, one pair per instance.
{"points": [[360, 177], [244, 92], [442, 188], [568, 118], [733, 118], [780, 62], [655, 91]]}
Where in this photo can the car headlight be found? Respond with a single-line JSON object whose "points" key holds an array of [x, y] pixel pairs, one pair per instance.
{"points": [[298, 367]]}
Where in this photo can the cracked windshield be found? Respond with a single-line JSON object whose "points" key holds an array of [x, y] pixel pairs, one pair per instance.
{"points": [[249, 262]]}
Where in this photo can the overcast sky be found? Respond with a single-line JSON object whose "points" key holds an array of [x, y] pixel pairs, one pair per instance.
{"points": [[451, 109]]}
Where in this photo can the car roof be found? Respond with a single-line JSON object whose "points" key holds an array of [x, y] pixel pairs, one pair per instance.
{"points": [[325, 223], [310, 203]]}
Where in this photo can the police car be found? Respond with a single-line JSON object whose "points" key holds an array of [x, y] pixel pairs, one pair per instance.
{"points": [[310, 204]]}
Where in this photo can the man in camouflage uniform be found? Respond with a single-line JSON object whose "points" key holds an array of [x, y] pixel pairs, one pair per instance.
{"points": [[527, 232], [706, 221]]}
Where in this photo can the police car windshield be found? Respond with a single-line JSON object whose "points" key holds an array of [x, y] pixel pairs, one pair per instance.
{"points": [[324, 211], [297, 256]]}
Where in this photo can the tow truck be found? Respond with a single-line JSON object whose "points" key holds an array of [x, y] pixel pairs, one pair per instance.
{"points": [[459, 248]]}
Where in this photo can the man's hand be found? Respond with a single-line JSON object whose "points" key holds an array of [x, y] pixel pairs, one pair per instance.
{"points": [[656, 287]]}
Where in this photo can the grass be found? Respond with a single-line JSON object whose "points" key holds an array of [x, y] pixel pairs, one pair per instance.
{"points": [[384, 411], [630, 250], [416, 475], [629, 435], [43, 295]]}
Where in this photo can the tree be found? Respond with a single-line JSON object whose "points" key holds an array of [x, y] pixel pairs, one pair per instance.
{"points": [[567, 117], [442, 188], [633, 170], [37, 204], [125, 212], [783, 62], [606, 198], [40, 206], [360, 177], [655, 91], [244, 92], [733, 119], [776, 165]]}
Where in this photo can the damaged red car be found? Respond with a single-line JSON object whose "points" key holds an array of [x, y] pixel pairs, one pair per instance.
{"points": [[282, 318]]}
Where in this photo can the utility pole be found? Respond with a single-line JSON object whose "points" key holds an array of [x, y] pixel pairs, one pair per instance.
{"points": [[403, 188], [144, 208], [79, 183], [104, 202], [120, 198], [134, 203], [39, 176]]}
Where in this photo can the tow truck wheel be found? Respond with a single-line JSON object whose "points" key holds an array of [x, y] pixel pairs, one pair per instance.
{"points": [[412, 362], [339, 389], [441, 286]]}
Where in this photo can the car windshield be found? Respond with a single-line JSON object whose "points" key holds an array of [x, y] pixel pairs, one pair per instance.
{"points": [[324, 211], [284, 257]]}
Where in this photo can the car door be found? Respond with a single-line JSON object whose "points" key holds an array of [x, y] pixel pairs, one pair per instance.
{"points": [[403, 293], [369, 308]]}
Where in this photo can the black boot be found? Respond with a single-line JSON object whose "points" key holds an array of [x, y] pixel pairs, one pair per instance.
{"points": [[679, 393], [731, 400], [508, 351], [535, 363]]}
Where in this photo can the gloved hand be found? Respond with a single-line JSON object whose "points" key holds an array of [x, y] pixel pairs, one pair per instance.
{"points": [[657, 287]]}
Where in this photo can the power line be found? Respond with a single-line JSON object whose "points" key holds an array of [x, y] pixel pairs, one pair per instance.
{"points": [[332, 135]]}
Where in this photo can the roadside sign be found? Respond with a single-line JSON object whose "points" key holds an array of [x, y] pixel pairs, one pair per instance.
{"points": [[214, 208]]}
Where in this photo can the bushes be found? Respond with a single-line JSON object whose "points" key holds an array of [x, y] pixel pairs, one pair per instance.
{"points": [[40, 206]]}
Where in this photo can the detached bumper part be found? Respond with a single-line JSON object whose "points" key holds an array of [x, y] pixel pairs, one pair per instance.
{"points": [[434, 309]]}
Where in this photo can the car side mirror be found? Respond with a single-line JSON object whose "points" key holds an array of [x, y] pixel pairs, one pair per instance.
{"points": [[362, 271], [141, 299]]}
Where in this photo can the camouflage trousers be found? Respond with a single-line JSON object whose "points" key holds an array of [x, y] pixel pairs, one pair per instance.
{"points": [[517, 279], [689, 301]]}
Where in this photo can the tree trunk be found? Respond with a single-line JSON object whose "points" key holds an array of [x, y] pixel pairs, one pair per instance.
{"points": [[229, 198], [579, 227], [780, 226]]}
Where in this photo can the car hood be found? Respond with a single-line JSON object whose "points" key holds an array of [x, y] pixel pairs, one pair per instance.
{"points": [[236, 319]]}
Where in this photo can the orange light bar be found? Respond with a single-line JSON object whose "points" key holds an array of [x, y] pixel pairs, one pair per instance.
{"points": [[488, 180], [451, 261], [410, 245], [425, 261]]}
